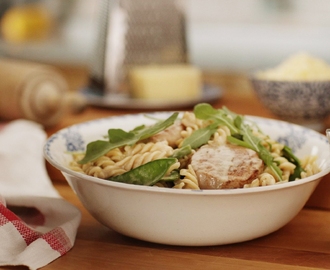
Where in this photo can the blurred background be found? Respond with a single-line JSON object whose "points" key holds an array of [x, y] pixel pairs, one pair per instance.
{"points": [[230, 35], [60, 31]]}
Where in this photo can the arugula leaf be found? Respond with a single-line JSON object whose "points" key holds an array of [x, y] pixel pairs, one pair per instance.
{"points": [[205, 111], [156, 128], [174, 175], [118, 138], [254, 143], [147, 174], [265, 155], [241, 132], [119, 135], [94, 150], [200, 136], [138, 128], [250, 138], [182, 152], [239, 142], [288, 154]]}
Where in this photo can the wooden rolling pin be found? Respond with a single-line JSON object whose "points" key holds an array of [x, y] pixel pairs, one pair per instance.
{"points": [[34, 91]]}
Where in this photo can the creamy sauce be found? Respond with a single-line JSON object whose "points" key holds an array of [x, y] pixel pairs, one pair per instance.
{"points": [[216, 161], [224, 166]]}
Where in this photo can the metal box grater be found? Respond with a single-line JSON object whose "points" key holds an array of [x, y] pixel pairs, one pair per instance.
{"points": [[136, 32]]}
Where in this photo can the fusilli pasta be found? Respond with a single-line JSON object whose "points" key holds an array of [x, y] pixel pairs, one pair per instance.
{"points": [[123, 159]]}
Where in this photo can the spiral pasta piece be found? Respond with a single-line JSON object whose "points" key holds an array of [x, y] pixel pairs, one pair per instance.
{"points": [[111, 171], [189, 181], [286, 167], [190, 124], [75, 167], [264, 179], [141, 148], [254, 183], [95, 171], [310, 166], [184, 134], [103, 162], [189, 120], [131, 162], [115, 154], [273, 146], [173, 167], [220, 136]]}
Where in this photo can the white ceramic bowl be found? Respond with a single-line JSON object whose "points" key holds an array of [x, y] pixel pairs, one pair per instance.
{"points": [[188, 217]]}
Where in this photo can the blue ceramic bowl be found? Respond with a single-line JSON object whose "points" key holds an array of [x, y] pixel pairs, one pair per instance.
{"points": [[304, 102]]}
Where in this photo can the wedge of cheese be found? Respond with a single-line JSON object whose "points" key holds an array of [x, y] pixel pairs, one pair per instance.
{"points": [[165, 82]]}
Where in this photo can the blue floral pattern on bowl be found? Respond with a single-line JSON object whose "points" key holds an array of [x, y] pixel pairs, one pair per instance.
{"points": [[294, 100], [73, 140]]}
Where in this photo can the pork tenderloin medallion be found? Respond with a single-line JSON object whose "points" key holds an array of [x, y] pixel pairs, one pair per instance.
{"points": [[171, 134], [226, 166]]}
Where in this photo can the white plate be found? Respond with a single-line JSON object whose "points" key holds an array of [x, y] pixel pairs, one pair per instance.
{"points": [[210, 94]]}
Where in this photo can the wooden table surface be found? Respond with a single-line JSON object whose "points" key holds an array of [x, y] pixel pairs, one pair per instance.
{"points": [[304, 243]]}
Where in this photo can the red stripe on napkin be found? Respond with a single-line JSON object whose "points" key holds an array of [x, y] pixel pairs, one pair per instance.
{"points": [[27, 233], [5, 215], [56, 238], [37, 225]]}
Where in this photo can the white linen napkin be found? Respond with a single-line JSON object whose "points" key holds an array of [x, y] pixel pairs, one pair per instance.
{"points": [[36, 224]]}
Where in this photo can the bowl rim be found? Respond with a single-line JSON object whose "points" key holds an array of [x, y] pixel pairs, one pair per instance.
{"points": [[253, 77], [202, 192]]}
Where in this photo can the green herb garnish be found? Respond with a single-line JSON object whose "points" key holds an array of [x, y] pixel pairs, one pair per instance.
{"points": [[200, 136], [287, 153], [207, 112], [149, 173], [242, 134], [119, 137], [182, 152], [154, 171]]}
